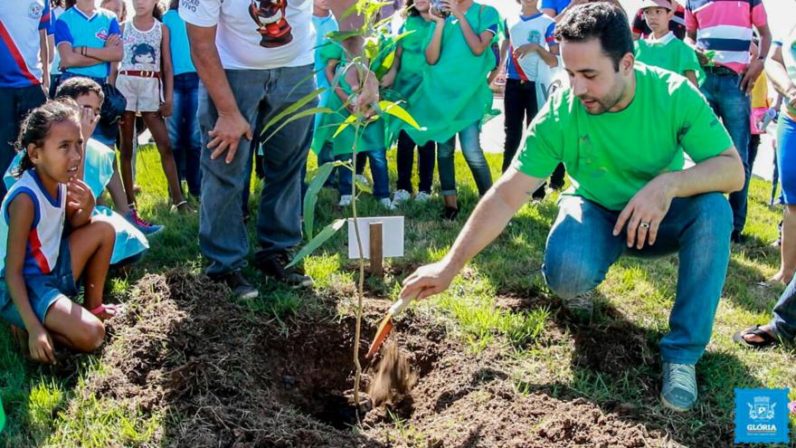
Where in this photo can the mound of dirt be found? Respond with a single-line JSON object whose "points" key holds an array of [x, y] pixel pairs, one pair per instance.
{"points": [[225, 377]]}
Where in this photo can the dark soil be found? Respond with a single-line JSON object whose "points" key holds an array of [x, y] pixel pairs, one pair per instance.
{"points": [[227, 378]]}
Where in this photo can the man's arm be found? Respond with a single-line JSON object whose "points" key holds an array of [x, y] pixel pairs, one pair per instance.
{"points": [[231, 124], [368, 91], [723, 173], [754, 69], [488, 220]]}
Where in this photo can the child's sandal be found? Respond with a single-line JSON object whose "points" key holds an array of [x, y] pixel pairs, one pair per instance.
{"points": [[182, 207]]}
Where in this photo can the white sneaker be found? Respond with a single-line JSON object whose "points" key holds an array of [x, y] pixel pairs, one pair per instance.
{"points": [[400, 196], [422, 196], [387, 203], [345, 200], [362, 179]]}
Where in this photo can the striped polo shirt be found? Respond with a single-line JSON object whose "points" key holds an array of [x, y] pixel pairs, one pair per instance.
{"points": [[725, 26], [20, 25]]}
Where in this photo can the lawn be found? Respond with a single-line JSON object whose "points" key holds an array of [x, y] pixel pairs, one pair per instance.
{"points": [[498, 361]]}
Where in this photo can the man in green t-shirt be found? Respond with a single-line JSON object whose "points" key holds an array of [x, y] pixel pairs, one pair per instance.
{"points": [[621, 130]]}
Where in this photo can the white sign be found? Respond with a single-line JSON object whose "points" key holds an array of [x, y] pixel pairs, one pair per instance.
{"points": [[392, 236]]}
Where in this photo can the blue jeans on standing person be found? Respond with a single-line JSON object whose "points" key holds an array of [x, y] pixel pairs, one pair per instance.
{"points": [[183, 127], [581, 248], [378, 170], [784, 321], [469, 138], [732, 105], [222, 233]]}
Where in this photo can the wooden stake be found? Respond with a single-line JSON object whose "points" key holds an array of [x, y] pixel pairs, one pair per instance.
{"points": [[376, 250]]}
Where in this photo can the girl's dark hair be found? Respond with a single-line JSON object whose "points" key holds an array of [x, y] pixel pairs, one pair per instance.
{"points": [[37, 124], [174, 4], [69, 3], [57, 3], [410, 10], [602, 21], [159, 10]]}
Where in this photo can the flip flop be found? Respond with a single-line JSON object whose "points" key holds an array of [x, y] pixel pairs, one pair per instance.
{"points": [[767, 340]]}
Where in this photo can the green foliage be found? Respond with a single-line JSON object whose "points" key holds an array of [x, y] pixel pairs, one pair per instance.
{"points": [[316, 242]]}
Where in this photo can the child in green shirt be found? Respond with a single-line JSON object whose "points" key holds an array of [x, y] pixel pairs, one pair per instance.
{"points": [[662, 49]]}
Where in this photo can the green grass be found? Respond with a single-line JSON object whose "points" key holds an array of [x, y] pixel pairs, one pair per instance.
{"points": [[46, 408]]}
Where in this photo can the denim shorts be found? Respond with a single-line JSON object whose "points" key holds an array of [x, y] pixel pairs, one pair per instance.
{"points": [[43, 290]]}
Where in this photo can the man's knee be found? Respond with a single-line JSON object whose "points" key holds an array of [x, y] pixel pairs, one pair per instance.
{"points": [[712, 214], [568, 276]]}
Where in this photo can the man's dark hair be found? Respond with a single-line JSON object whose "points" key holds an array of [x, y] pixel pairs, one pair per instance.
{"points": [[79, 86], [599, 20]]}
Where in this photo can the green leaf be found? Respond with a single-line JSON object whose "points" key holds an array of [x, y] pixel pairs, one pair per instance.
{"points": [[392, 108], [312, 197], [316, 242], [340, 36], [304, 113], [348, 122], [293, 108], [362, 185]]}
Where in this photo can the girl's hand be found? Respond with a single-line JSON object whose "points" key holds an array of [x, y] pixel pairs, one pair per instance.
{"points": [[41, 346], [78, 197], [165, 109], [88, 122], [525, 49], [114, 40]]}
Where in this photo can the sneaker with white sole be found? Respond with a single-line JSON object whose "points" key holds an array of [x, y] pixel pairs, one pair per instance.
{"points": [[145, 227], [679, 391], [387, 203], [400, 196], [345, 200], [422, 196]]}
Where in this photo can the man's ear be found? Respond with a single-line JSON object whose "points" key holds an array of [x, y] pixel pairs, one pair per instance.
{"points": [[626, 63]]}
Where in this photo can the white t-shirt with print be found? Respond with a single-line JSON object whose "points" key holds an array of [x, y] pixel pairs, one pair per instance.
{"points": [[238, 40]]}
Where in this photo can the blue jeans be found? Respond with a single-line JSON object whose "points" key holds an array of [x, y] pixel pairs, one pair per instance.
{"points": [[469, 138], [183, 127], [784, 321], [732, 105], [378, 170], [581, 247], [222, 234]]}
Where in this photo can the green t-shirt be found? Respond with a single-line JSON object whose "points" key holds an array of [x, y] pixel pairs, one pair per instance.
{"points": [[669, 53], [611, 156], [454, 93], [413, 55]]}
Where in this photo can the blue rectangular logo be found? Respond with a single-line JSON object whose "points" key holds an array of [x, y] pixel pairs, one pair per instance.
{"points": [[761, 416]]}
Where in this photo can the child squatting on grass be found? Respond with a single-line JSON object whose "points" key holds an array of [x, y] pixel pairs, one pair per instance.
{"points": [[49, 240]]}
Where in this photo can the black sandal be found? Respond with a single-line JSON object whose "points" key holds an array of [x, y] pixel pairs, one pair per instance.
{"points": [[767, 340]]}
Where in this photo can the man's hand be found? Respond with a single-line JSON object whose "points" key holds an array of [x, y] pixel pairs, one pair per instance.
{"points": [[78, 196], [790, 95], [525, 49], [165, 109], [429, 280], [41, 346], [702, 57], [366, 90], [225, 136], [644, 213], [751, 74], [88, 122]]}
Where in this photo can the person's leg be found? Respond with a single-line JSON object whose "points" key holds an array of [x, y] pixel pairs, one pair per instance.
{"points": [[362, 161], [222, 234], [754, 144], [447, 172], [783, 324], [786, 161], [91, 247], [15, 103], [514, 104], [378, 170], [193, 175], [176, 130], [734, 110], [279, 214], [698, 228], [580, 248], [470, 139], [126, 152], [405, 160], [157, 127], [426, 159], [74, 326]]}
